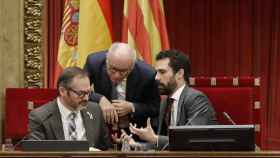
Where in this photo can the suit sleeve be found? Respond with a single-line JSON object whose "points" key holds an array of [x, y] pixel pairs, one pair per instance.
{"points": [[106, 139], [35, 127], [151, 101], [163, 142], [95, 97], [200, 111]]}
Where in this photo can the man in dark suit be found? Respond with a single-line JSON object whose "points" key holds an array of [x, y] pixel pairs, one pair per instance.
{"points": [[70, 116], [125, 87], [183, 106]]}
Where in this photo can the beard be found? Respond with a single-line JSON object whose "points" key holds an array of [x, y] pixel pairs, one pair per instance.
{"points": [[167, 89], [83, 103]]}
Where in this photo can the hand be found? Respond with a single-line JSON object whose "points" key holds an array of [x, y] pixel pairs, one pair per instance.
{"points": [[123, 136], [122, 107], [109, 112], [146, 133]]}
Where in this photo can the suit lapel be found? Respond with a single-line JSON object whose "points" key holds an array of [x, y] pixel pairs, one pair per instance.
{"points": [[56, 123], [88, 118], [106, 83], [132, 81], [161, 116], [182, 98]]}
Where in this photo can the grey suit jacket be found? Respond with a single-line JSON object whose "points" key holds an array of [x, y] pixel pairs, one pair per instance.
{"points": [[45, 124], [194, 108]]}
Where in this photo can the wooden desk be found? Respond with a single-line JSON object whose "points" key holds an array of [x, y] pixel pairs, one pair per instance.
{"points": [[258, 154]]}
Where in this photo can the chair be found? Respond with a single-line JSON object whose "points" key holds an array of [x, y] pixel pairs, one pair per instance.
{"points": [[237, 96], [19, 102]]}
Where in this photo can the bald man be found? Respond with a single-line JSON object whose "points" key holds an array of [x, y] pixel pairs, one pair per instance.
{"points": [[125, 87]]}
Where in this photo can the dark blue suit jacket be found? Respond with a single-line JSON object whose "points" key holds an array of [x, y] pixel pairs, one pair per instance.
{"points": [[141, 87]]}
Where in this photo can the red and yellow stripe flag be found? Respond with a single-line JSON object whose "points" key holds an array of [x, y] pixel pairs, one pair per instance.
{"points": [[144, 27], [86, 28]]}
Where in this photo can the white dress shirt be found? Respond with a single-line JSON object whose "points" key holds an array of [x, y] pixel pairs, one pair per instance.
{"points": [[121, 90], [174, 110], [80, 129]]}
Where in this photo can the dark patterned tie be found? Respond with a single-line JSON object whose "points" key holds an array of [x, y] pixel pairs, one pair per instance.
{"points": [[72, 126], [114, 93], [169, 103]]}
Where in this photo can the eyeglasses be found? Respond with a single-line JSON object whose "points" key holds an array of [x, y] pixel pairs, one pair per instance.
{"points": [[112, 69], [80, 94]]}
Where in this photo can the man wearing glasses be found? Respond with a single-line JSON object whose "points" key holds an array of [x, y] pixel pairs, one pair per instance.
{"points": [[125, 87], [70, 116]]}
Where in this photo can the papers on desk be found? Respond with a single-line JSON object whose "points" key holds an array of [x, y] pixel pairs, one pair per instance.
{"points": [[93, 149]]}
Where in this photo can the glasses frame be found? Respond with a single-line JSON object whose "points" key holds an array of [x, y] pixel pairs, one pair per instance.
{"points": [[80, 94], [112, 69]]}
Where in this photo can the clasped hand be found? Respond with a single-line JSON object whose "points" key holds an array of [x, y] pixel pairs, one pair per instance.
{"points": [[112, 111]]}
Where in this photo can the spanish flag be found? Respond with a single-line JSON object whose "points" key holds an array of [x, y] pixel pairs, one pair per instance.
{"points": [[144, 27], [86, 28]]}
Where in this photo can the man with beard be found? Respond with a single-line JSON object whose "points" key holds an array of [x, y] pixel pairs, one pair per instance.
{"points": [[70, 116], [183, 106]]}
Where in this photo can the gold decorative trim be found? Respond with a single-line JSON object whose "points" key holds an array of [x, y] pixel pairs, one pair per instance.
{"points": [[33, 38]]}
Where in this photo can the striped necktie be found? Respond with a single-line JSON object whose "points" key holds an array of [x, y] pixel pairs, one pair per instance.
{"points": [[72, 126]]}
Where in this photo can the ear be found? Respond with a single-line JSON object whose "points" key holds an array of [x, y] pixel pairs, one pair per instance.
{"points": [[180, 74], [62, 91]]}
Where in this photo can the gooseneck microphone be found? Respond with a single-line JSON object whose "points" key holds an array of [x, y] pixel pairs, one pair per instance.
{"points": [[188, 123], [192, 118], [229, 118]]}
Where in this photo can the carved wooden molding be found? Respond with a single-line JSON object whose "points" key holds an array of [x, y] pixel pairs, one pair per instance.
{"points": [[33, 38]]}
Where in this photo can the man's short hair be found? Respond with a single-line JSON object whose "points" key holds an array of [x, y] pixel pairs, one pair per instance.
{"points": [[68, 74], [177, 60], [117, 45]]}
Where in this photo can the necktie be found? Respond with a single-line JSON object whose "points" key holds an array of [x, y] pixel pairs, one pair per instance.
{"points": [[169, 103], [72, 126], [114, 94]]}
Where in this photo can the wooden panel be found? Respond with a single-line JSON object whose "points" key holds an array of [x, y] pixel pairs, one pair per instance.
{"points": [[159, 154]]}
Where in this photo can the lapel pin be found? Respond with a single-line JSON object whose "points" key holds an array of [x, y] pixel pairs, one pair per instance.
{"points": [[89, 115]]}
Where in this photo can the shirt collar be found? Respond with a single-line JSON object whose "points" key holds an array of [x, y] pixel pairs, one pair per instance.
{"points": [[176, 95], [65, 112]]}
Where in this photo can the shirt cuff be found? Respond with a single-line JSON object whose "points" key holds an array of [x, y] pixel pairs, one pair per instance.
{"points": [[133, 108]]}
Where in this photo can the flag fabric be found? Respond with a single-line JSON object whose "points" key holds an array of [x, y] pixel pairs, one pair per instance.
{"points": [[68, 42], [86, 28], [144, 27], [95, 30]]}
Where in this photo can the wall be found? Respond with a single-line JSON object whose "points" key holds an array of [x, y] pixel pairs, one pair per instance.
{"points": [[227, 38], [11, 49]]}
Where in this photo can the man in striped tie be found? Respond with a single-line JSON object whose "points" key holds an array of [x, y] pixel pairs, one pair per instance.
{"points": [[70, 116]]}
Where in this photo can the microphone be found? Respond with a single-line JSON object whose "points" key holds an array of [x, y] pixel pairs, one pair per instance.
{"points": [[192, 118], [188, 123], [30, 131], [165, 146], [233, 123], [229, 118]]}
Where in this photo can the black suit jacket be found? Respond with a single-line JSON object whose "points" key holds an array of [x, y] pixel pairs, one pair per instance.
{"points": [[141, 87], [45, 124]]}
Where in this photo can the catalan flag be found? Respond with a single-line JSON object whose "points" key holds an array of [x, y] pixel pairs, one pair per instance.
{"points": [[144, 27], [86, 28]]}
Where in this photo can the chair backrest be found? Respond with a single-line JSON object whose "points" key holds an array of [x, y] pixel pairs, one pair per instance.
{"points": [[237, 96], [19, 102]]}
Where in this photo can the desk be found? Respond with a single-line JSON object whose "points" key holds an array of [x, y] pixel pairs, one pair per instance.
{"points": [[166, 154]]}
